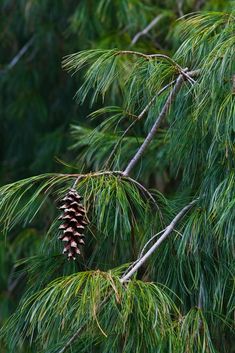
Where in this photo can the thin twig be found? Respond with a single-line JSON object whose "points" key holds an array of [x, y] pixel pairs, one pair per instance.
{"points": [[77, 333], [160, 118], [199, 4], [16, 58], [201, 294], [144, 248], [151, 56], [114, 172], [76, 181], [94, 174], [166, 233], [146, 192], [138, 118], [155, 126], [141, 253], [158, 56], [72, 339], [180, 7], [146, 29], [148, 242]]}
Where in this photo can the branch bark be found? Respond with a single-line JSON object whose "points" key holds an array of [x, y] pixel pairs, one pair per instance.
{"points": [[155, 126], [138, 118], [162, 115], [151, 56], [146, 29], [16, 58], [201, 294], [180, 7], [72, 339], [166, 233], [79, 331]]}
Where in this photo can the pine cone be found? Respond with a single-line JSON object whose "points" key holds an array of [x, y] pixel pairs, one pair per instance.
{"points": [[74, 222]]}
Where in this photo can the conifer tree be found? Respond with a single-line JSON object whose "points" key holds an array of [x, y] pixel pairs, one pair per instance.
{"points": [[148, 217]]}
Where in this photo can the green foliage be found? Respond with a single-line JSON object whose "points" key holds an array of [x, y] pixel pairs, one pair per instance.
{"points": [[20, 201], [95, 147], [137, 78], [181, 299], [94, 300]]}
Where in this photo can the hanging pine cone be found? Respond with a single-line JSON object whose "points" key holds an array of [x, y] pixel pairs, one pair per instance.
{"points": [[74, 222]]}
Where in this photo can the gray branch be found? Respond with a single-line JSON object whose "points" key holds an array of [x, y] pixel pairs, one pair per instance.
{"points": [[71, 340], [166, 233], [79, 331], [139, 117], [19, 55], [155, 126], [146, 29], [180, 7], [183, 75], [233, 84], [201, 294]]}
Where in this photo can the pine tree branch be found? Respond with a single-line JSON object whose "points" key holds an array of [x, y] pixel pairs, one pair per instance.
{"points": [[19, 55], [77, 333], [146, 29], [142, 252], [158, 56], [147, 244], [155, 126], [233, 85], [160, 118], [201, 294], [166, 233], [146, 192], [117, 173], [138, 118], [198, 4], [127, 276], [151, 56], [180, 7], [72, 339]]}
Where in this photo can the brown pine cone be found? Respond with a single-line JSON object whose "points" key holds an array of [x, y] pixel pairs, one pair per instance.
{"points": [[74, 222]]}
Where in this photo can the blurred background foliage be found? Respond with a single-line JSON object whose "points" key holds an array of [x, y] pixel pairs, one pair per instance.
{"points": [[43, 129]]}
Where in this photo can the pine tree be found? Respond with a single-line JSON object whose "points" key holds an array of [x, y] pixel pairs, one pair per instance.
{"points": [[155, 170]]}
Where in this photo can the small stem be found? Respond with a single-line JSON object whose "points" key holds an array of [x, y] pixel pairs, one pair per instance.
{"points": [[151, 56], [166, 233], [72, 339], [155, 126], [16, 58], [113, 172], [76, 181], [94, 174], [140, 186], [138, 118], [161, 116], [201, 294], [180, 7], [77, 333], [147, 28], [148, 242]]}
